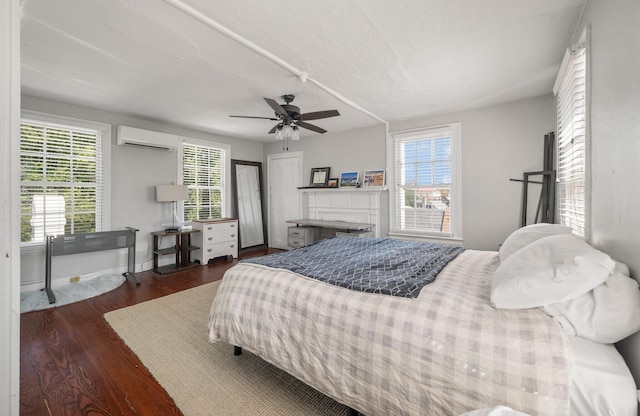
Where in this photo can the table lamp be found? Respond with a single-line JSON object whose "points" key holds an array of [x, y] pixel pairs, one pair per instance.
{"points": [[172, 193]]}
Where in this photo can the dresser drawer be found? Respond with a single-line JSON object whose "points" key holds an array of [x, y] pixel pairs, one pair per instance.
{"points": [[226, 248], [302, 236], [219, 236], [298, 232], [295, 242], [219, 232]]}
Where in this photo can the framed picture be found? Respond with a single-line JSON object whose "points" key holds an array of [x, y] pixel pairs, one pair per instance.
{"points": [[333, 183], [373, 178], [319, 176], [349, 179]]}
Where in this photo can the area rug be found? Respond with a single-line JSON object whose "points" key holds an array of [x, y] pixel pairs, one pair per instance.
{"points": [[169, 335], [69, 293]]}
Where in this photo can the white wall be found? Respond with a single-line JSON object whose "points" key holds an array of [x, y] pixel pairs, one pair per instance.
{"points": [[9, 208], [615, 137], [498, 143], [359, 150], [134, 174]]}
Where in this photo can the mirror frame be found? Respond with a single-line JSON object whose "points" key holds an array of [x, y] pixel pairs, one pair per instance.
{"points": [[234, 202]]}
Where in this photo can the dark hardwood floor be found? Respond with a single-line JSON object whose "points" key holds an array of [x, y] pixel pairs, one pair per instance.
{"points": [[73, 363]]}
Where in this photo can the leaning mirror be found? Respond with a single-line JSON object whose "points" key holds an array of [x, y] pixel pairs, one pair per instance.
{"points": [[246, 183]]}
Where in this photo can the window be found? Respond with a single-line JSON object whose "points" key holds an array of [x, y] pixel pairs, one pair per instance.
{"points": [[204, 170], [62, 187], [571, 92], [426, 174]]}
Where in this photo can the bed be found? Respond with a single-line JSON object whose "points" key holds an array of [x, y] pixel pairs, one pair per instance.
{"points": [[448, 349]]}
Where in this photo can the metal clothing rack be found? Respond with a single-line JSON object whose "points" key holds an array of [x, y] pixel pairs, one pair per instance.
{"points": [[546, 201], [546, 211], [61, 245]]}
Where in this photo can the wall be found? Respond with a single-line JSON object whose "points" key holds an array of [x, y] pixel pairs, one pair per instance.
{"points": [[359, 150], [615, 137], [498, 143], [134, 174]]}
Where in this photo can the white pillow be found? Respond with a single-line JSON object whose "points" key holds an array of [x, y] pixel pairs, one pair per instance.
{"points": [[527, 235], [495, 411], [607, 314], [550, 270]]}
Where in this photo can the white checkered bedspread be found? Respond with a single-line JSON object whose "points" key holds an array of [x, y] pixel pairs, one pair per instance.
{"points": [[445, 353]]}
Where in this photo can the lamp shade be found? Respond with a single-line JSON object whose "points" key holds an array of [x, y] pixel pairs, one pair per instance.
{"points": [[171, 193]]}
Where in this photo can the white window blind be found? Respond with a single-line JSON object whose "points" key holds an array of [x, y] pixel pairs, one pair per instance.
{"points": [[203, 170], [424, 170], [571, 93], [62, 180]]}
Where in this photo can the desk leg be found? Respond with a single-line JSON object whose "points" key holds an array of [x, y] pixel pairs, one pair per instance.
{"points": [[184, 250], [178, 262], [155, 250], [47, 266]]}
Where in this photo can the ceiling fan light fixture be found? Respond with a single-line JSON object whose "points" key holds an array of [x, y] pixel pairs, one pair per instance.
{"points": [[279, 133], [288, 131], [295, 134]]}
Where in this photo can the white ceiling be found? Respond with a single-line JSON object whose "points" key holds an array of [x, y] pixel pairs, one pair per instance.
{"points": [[195, 62]]}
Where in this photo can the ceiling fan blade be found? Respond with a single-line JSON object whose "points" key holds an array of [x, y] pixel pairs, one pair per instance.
{"points": [[278, 109], [263, 118], [319, 114], [273, 130], [311, 127]]}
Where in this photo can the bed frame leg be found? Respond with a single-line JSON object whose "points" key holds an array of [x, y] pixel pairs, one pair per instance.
{"points": [[352, 412], [237, 350]]}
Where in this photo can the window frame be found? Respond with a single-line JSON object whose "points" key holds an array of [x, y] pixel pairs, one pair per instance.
{"points": [[580, 224], [103, 201], [226, 181], [455, 234]]}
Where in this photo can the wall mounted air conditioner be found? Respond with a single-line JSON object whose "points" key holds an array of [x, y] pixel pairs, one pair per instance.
{"points": [[131, 136]]}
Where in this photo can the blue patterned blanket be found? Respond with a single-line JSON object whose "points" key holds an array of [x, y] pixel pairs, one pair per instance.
{"points": [[376, 265]]}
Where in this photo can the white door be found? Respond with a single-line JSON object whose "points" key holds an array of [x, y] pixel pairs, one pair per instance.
{"points": [[284, 177]]}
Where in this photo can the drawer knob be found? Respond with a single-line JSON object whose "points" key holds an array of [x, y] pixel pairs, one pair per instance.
{"points": [[233, 225], [232, 245], [210, 238], [233, 235], [209, 228], [210, 250]]}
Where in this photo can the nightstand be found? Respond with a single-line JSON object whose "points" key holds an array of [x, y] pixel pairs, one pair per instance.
{"points": [[181, 250]]}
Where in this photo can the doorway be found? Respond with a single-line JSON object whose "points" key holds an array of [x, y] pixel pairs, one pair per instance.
{"points": [[284, 176]]}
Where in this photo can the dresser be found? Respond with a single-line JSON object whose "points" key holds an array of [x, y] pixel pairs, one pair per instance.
{"points": [[217, 238]]}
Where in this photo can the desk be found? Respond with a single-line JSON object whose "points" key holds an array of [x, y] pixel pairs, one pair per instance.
{"points": [[181, 249], [307, 231], [338, 225]]}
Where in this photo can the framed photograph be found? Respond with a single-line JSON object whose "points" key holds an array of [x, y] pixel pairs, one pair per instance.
{"points": [[373, 178], [319, 176], [333, 183], [349, 179]]}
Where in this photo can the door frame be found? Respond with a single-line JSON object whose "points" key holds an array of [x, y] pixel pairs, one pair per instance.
{"points": [[270, 184]]}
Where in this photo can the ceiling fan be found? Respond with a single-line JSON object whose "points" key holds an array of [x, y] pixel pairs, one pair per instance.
{"points": [[289, 115]]}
